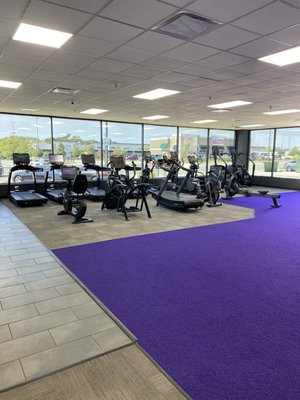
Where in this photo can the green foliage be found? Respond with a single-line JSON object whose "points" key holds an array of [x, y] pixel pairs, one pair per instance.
{"points": [[294, 152], [15, 144]]}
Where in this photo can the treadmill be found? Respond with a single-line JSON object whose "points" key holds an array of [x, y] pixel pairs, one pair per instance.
{"points": [[21, 197], [174, 199], [57, 195], [89, 163]]}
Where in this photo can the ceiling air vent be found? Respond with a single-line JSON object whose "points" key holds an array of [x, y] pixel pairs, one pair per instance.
{"points": [[61, 90], [186, 26]]}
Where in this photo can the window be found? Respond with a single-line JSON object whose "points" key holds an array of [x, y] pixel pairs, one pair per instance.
{"points": [[223, 140], [23, 134], [73, 137], [261, 151], [160, 140], [193, 141], [287, 153]]}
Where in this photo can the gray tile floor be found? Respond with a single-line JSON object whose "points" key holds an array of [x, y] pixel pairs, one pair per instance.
{"points": [[47, 321]]}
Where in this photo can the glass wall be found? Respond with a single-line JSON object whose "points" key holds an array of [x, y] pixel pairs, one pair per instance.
{"points": [[224, 140], [261, 151], [193, 141], [287, 153], [23, 134], [160, 140], [40, 136], [124, 140]]}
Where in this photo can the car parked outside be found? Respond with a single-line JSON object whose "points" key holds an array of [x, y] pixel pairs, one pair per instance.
{"points": [[23, 176], [290, 166], [1, 168]]}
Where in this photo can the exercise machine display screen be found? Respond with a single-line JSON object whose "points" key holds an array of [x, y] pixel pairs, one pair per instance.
{"points": [[68, 173], [117, 162], [87, 158], [21, 158], [57, 159]]}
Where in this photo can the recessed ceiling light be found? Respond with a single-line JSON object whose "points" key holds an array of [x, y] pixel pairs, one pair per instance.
{"points": [[30, 109], [10, 84], [281, 112], [43, 36], [285, 57], [250, 126], [156, 94], [204, 121], [235, 103], [185, 25], [220, 110], [62, 90], [93, 111], [154, 117]]}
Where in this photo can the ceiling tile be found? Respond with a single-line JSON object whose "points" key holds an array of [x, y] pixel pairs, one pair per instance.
{"points": [[141, 13], [87, 45], [178, 3], [270, 19], [153, 41], [164, 62], [226, 10], [172, 77], [226, 37], [222, 59], [91, 6], [8, 27], [290, 36], [259, 48], [129, 54], [143, 72], [13, 9], [112, 66], [29, 50], [109, 31], [191, 52], [252, 67], [54, 17], [67, 57]]}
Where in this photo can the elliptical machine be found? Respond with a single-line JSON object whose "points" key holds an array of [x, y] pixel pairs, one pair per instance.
{"points": [[203, 186], [73, 198]]}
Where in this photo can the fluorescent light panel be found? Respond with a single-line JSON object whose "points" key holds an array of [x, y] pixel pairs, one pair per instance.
{"points": [[204, 121], [281, 112], [235, 103], [93, 111], [30, 109], [42, 36], [154, 117], [10, 84], [156, 94], [282, 58]]}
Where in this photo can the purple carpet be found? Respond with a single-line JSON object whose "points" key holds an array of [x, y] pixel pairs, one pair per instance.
{"points": [[218, 307]]}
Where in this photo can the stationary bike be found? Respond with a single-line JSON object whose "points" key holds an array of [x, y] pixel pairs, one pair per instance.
{"points": [[73, 198]]}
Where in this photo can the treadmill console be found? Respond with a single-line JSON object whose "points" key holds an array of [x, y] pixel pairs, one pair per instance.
{"points": [[21, 158], [56, 159], [117, 162], [88, 159], [68, 173]]}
